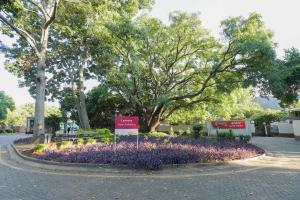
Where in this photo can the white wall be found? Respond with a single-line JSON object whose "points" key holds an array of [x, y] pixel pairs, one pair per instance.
{"points": [[296, 126], [285, 128]]}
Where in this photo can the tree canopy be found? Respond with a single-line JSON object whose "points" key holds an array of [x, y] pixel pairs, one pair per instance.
{"points": [[160, 68], [6, 104]]}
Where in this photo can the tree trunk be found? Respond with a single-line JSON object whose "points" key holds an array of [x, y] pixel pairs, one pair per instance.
{"points": [[39, 125], [82, 111], [150, 124]]}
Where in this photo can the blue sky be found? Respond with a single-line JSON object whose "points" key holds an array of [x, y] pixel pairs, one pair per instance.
{"points": [[280, 16]]}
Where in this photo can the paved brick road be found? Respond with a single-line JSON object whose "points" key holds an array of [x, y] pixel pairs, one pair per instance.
{"points": [[273, 177]]}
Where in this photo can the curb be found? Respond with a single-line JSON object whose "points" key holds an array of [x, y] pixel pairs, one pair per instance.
{"points": [[28, 158], [125, 167]]}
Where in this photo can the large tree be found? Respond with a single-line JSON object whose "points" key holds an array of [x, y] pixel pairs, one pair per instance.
{"points": [[76, 43], [160, 68], [29, 22]]}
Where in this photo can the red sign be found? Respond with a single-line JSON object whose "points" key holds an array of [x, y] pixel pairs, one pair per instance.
{"points": [[232, 124], [123, 122]]}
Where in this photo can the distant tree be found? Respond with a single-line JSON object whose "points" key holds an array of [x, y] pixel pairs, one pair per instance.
{"points": [[289, 93], [266, 117], [17, 117], [6, 104], [239, 104]]}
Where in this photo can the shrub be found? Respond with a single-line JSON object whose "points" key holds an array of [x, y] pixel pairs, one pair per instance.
{"points": [[9, 130], [245, 138], [66, 144], [197, 128], [1, 130], [80, 141], [180, 132], [226, 135], [39, 148], [157, 134], [103, 132], [106, 139], [91, 141]]}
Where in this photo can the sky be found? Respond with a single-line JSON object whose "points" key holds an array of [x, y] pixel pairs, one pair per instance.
{"points": [[281, 16]]}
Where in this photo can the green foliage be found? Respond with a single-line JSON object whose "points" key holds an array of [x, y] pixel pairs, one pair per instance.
{"points": [[106, 139], [80, 141], [238, 104], [100, 98], [1, 130], [39, 147], [244, 138], [156, 134], [180, 132], [6, 105], [288, 91], [226, 135], [66, 144], [52, 122], [103, 132], [91, 141], [8, 130], [18, 116], [268, 116], [197, 128], [174, 78]]}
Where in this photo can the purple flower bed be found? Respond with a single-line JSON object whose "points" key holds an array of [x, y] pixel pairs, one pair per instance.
{"points": [[153, 153]]}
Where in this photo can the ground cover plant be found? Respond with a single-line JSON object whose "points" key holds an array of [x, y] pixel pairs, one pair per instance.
{"points": [[153, 152]]}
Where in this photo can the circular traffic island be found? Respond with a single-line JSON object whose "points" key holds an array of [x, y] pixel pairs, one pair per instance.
{"points": [[152, 153]]}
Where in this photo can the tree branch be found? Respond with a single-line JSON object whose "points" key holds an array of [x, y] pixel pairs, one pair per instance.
{"points": [[22, 33], [52, 14], [43, 11]]}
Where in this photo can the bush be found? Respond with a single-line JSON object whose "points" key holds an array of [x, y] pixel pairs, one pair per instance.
{"points": [[245, 138], [39, 148], [9, 130], [106, 139], [80, 141], [103, 132], [1, 130], [226, 135], [91, 141], [180, 132], [156, 134], [66, 144], [197, 128]]}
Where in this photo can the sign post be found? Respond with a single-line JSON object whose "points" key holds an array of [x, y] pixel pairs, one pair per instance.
{"points": [[127, 125]]}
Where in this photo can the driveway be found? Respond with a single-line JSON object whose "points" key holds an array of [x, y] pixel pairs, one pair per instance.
{"points": [[272, 177]]}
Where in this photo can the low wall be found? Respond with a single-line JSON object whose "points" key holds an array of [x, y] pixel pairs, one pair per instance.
{"points": [[285, 128], [296, 126], [246, 131], [176, 128]]}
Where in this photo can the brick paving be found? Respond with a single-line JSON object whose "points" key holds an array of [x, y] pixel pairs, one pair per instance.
{"points": [[274, 177]]}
